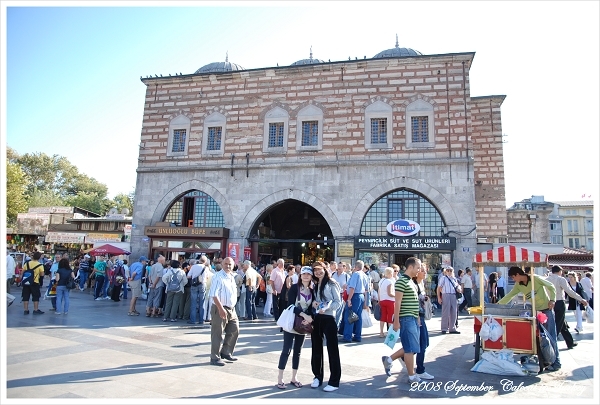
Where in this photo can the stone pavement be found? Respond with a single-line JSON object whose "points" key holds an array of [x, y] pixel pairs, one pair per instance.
{"points": [[97, 351]]}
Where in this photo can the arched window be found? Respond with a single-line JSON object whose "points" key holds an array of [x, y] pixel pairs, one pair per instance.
{"points": [[179, 135], [199, 208], [402, 204], [276, 130], [420, 131], [378, 126]]}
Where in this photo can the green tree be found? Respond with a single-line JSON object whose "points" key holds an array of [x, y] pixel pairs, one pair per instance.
{"points": [[16, 184], [121, 201], [45, 198]]}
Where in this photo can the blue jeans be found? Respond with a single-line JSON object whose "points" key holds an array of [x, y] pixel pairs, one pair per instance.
{"points": [[355, 328], [125, 290], [251, 304], [83, 276], [99, 286], [62, 295], [551, 326], [105, 287], [424, 343], [197, 304]]}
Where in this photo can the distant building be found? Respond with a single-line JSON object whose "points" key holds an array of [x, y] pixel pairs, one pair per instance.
{"points": [[577, 223]]}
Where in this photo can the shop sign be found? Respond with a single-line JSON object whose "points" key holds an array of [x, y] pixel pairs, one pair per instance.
{"points": [[51, 210], [233, 251], [345, 249], [185, 231], [396, 243], [403, 227], [64, 237], [127, 229], [103, 237]]}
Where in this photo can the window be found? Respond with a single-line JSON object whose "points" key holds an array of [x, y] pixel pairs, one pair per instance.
{"points": [[555, 226], [276, 130], [179, 129], [276, 135], [589, 225], [206, 211], [213, 142], [556, 240], [588, 212], [309, 132], [214, 138], [420, 125], [178, 140], [590, 244], [378, 126], [402, 204]]}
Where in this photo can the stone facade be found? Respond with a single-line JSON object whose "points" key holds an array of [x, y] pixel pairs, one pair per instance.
{"points": [[460, 169]]}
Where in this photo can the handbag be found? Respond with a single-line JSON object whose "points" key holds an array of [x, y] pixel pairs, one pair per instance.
{"points": [[589, 314], [269, 289], [300, 327], [548, 356], [352, 317], [458, 294], [286, 319], [428, 307], [70, 284], [377, 311]]}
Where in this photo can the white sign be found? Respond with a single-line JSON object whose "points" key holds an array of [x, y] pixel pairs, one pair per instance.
{"points": [[103, 237], [51, 210], [65, 237], [403, 227]]}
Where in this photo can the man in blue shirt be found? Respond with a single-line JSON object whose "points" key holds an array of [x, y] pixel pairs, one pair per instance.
{"points": [[358, 286], [135, 282]]}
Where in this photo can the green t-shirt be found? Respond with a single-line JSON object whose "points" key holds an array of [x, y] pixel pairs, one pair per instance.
{"points": [[544, 292], [410, 299]]}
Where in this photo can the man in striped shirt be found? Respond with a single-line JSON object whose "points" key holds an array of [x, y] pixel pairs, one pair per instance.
{"points": [[407, 321], [223, 293]]}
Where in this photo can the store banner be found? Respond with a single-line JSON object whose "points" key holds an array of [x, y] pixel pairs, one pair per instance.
{"points": [[127, 230], [247, 253], [64, 237], [233, 251], [102, 237], [429, 243]]}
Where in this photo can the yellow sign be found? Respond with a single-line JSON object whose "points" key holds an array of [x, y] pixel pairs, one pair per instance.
{"points": [[168, 231], [345, 249]]}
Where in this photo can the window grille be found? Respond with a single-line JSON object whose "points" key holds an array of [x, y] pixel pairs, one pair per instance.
{"points": [[276, 135], [179, 140], [310, 133], [207, 213], [420, 129], [214, 138], [378, 130]]}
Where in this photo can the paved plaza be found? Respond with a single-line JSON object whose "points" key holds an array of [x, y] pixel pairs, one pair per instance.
{"points": [[98, 352]]}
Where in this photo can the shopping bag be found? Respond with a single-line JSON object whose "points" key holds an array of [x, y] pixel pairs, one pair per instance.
{"points": [[377, 311], [496, 330], [547, 354], [286, 319], [589, 314], [366, 318], [392, 337]]}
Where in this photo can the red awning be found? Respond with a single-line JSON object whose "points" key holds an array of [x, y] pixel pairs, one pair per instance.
{"points": [[510, 255]]}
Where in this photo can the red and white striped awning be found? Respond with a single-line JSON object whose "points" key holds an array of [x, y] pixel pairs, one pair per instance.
{"points": [[510, 255]]}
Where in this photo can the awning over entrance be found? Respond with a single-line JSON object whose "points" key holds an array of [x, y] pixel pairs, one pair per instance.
{"points": [[506, 256]]}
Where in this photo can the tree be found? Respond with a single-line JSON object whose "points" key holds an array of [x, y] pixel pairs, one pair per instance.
{"points": [[122, 200], [16, 184]]}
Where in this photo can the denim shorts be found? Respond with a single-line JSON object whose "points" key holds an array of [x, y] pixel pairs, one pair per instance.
{"points": [[410, 334]]}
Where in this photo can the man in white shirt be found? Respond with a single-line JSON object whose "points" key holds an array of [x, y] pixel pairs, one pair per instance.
{"points": [[500, 286], [467, 285], [251, 277], [588, 288], [156, 286], [477, 288], [197, 279], [11, 265]]}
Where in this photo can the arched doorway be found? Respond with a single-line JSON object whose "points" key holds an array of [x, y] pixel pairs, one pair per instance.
{"points": [[294, 231]]}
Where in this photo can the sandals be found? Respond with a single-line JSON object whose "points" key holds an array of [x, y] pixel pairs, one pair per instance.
{"points": [[281, 386], [297, 384]]}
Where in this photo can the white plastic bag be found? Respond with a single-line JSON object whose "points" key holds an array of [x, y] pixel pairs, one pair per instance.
{"points": [[496, 330], [366, 318], [484, 332], [286, 319], [589, 314], [392, 337], [498, 363]]}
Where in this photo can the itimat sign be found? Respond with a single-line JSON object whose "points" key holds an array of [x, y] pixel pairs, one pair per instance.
{"points": [[403, 227], [394, 243]]}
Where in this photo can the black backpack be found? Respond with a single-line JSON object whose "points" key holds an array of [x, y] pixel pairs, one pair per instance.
{"points": [[47, 267], [29, 275]]}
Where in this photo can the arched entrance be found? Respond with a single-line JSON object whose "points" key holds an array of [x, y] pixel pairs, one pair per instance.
{"points": [[294, 231]]}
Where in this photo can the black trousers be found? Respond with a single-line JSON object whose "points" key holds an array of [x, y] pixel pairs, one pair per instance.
{"points": [[561, 326], [325, 326]]}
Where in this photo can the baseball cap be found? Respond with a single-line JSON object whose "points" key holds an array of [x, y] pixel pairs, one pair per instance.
{"points": [[306, 269], [143, 259], [87, 256]]}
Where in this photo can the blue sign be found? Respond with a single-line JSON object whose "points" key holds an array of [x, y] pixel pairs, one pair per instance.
{"points": [[403, 227]]}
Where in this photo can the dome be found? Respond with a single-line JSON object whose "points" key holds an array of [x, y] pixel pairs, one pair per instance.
{"points": [[309, 61], [219, 67], [397, 52]]}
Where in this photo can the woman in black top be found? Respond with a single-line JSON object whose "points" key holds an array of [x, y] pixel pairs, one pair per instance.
{"points": [[61, 276], [301, 296]]}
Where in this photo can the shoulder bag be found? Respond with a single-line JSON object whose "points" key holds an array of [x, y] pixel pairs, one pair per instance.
{"points": [[299, 325], [458, 293]]}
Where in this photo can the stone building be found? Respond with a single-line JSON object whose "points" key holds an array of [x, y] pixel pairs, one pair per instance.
{"points": [[377, 159]]}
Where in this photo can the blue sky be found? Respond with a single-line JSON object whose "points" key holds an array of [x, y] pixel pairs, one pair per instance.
{"points": [[71, 72]]}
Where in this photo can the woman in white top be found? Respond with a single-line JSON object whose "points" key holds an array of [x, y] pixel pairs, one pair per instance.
{"points": [[269, 301], [387, 298]]}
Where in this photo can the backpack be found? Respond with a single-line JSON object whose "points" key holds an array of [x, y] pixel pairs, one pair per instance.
{"points": [[29, 275], [47, 267], [173, 282], [197, 281]]}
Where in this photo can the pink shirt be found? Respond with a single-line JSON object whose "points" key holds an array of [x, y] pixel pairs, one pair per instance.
{"points": [[277, 279]]}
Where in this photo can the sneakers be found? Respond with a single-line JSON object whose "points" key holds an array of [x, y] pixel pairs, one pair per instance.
{"points": [[387, 365], [98, 299], [25, 312], [315, 383], [401, 360], [577, 330], [414, 378], [57, 313], [38, 312], [425, 376], [329, 388]]}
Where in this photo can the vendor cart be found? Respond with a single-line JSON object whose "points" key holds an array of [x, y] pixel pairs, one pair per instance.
{"points": [[519, 322]]}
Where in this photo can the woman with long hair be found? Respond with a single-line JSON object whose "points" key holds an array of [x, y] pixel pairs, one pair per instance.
{"points": [[301, 296], [325, 305], [269, 301], [61, 277], [493, 288], [575, 306]]}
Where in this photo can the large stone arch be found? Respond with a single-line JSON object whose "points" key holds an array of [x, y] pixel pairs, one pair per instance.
{"points": [[174, 193], [444, 207], [290, 194]]}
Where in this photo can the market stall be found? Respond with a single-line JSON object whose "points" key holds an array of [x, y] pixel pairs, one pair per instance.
{"points": [[518, 322]]}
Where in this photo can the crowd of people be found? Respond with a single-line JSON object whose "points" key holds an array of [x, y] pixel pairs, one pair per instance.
{"points": [[326, 296]]}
